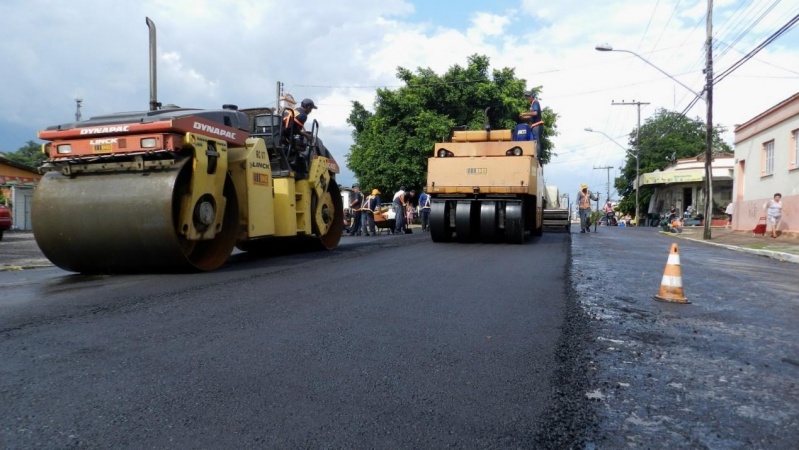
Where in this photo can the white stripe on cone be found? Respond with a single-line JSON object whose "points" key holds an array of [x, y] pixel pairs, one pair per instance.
{"points": [[671, 281], [674, 259]]}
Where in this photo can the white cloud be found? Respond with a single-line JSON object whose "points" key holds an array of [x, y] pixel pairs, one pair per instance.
{"points": [[212, 53], [484, 25]]}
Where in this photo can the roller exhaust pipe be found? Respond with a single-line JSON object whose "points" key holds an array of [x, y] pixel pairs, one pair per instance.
{"points": [[154, 105]]}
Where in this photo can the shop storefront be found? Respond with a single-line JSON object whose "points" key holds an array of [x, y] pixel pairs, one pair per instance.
{"points": [[17, 182], [683, 185]]}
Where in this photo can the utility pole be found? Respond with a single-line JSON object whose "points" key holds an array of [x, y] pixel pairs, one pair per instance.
{"points": [[78, 102], [709, 143], [608, 169], [637, 154]]}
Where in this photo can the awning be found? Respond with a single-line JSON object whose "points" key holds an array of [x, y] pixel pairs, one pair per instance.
{"points": [[17, 181], [684, 176]]}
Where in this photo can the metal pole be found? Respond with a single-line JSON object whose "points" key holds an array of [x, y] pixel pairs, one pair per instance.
{"points": [[709, 140], [608, 185], [637, 166], [637, 155], [153, 67]]}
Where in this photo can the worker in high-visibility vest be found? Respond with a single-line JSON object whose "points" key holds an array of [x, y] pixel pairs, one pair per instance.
{"points": [[533, 115], [584, 198]]}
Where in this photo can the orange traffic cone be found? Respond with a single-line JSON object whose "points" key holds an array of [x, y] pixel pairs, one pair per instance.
{"points": [[671, 285]]}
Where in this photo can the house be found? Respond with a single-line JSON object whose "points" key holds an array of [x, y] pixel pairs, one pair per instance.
{"points": [[682, 184], [16, 184], [767, 162]]}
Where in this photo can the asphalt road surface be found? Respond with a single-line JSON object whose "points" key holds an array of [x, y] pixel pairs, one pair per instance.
{"points": [[718, 373], [386, 342]]}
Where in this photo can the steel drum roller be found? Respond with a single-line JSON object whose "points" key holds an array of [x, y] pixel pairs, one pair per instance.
{"points": [[123, 222]]}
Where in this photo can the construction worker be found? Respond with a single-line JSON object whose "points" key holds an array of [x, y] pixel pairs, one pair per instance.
{"points": [[533, 115], [370, 204], [296, 138], [584, 198], [424, 204], [294, 120]]}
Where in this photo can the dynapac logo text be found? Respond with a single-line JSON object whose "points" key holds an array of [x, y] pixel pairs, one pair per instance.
{"points": [[102, 130], [214, 130]]}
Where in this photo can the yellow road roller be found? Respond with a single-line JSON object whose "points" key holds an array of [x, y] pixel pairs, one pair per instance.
{"points": [[485, 186], [176, 189]]}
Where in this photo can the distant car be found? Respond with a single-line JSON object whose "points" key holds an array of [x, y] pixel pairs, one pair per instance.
{"points": [[5, 220]]}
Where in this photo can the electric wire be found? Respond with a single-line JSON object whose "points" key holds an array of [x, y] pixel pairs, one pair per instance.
{"points": [[782, 30], [651, 16]]}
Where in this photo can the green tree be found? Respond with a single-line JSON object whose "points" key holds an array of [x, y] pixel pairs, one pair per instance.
{"points": [[665, 137], [30, 155], [392, 144]]}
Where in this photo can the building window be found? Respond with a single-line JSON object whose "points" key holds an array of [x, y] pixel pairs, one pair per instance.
{"points": [[795, 149], [768, 158]]}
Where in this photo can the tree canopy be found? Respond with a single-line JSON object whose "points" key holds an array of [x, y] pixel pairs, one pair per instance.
{"points": [[392, 144], [30, 155], [665, 137]]}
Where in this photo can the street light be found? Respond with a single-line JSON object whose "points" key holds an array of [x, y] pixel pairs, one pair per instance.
{"points": [[708, 100], [591, 130], [609, 48], [637, 169]]}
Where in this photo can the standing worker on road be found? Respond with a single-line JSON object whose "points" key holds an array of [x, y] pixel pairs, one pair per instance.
{"points": [[370, 205], [584, 198], [399, 209], [424, 204], [356, 204], [533, 115]]}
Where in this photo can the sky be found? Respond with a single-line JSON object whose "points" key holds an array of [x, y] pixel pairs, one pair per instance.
{"points": [[235, 51]]}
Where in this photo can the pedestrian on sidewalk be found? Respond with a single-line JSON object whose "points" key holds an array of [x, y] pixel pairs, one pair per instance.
{"points": [[774, 213], [728, 212]]}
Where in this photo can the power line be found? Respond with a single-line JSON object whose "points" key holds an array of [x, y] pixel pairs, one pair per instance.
{"points": [[757, 49], [673, 11], [765, 62], [651, 16], [749, 28]]}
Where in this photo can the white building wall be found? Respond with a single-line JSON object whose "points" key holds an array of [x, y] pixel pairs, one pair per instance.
{"points": [[785, 178], [753, 188]]}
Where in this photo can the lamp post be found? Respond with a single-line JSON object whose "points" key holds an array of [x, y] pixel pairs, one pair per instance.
{"points": [[609, 48], [708, 100], [637, 169]]}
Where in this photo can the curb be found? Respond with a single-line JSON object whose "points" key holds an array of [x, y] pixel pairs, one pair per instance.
{"points": [[15, 268], [779, 256]]}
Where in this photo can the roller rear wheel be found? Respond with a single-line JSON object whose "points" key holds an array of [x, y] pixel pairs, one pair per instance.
{"points": [[328, 217], [466, 221], [514, 223], [440, 229], [489, 222]]}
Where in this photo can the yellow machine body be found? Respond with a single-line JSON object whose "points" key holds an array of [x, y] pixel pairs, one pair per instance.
{"points": [[177, 189], [179, 211], [486, 187]]}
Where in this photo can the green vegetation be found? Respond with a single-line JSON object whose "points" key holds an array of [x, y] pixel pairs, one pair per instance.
{"points": [[392, 144], [30, 155], [665, 137]]}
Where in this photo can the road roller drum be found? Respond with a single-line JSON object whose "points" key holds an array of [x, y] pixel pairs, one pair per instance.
{"points": [[177, 189]]}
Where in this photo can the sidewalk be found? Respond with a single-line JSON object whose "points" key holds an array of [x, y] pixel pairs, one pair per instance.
{"points": [[18, 251], [784, 248]]}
